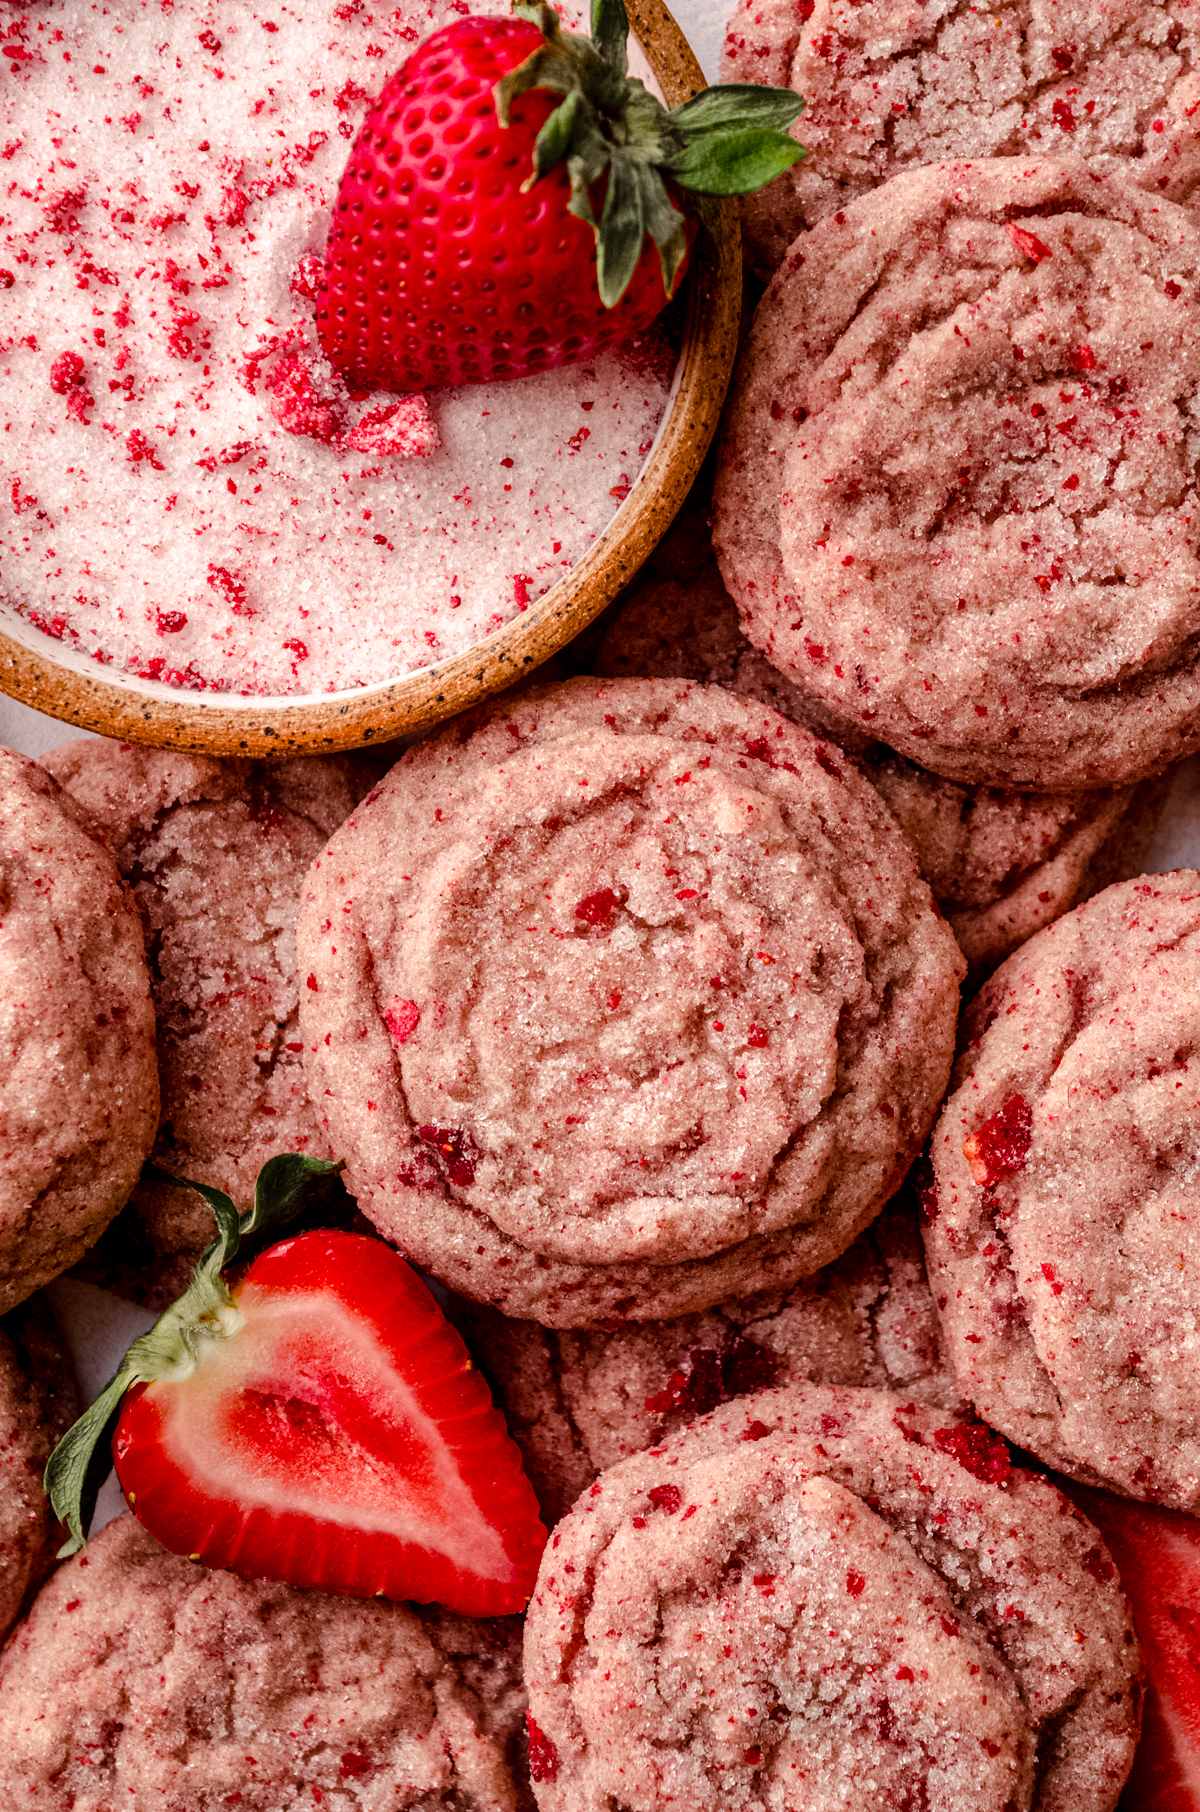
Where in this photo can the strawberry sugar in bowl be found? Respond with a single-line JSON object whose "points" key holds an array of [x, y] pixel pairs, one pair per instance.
{"points": [[319, 425]]}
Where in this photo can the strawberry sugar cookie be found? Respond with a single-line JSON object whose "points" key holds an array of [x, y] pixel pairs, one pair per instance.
{"points": [[621, 999], [78, 1079], [957, 491], [888, 88], [215, 853], [190, 495], [1001, 864], [577, 1401], [140, 1678], [1060, 1231], [816, 1592]]}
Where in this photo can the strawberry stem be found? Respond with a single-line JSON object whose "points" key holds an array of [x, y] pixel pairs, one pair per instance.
{"points": [[727, 140], [205, 1312]]}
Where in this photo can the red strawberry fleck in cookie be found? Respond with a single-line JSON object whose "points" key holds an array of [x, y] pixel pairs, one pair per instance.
{"points": [[684, 1004], [143, 1678], [318, 1422], [811, 1588], [1059, 1225]]}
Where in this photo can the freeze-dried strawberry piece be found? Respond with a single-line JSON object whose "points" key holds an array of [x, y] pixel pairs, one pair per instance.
{"points": [[402, 430], [296, 404], [543, 1756], [456, 1150], [1000, 1146], [980, 1450]]}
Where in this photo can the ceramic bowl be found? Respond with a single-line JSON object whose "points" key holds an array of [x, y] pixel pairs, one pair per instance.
{"points": [[51, 678]]}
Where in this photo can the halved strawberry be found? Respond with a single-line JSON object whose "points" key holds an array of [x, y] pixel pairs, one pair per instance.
{"points": [[1157, 1553], [320, 1423]]}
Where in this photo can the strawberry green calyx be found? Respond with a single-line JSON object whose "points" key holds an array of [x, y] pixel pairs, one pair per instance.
{"points": [[727, 140], [206, 1312]]}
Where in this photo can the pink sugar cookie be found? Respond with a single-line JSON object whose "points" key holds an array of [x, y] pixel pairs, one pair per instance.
{"points": [[78, 1079], [143, 1678], [1060, 1228], [215, 852], [957, 490], [888, 88], [623, 998], [813, 1593], [37, 1406]]}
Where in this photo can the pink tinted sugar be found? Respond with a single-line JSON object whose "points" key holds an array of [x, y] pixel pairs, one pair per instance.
{"points": [[175, 449]]}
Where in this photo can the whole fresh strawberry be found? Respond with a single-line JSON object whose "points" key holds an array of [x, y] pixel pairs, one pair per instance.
{"points": [[486, 227], [317, 1421]]}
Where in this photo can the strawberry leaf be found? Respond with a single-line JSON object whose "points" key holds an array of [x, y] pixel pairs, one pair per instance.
{"points": [[739, 104], [287, 1183], [82, 1460], [665, 225], [734, 163], [556, 137], [621, 231], [724, 141], [610, 28]]}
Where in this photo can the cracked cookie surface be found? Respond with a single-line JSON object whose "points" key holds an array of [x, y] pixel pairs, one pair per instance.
{"points": [[78, 1081], [215, 853], [143, 1678], [957, 490], [888, 88], [814, 1588], [622, 998], [1060, 1230]]}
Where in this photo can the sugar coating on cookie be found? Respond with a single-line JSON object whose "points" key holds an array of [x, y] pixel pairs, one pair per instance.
{"points": [[143, 1677], [888, 88], [1001, 864], [1058, 1225], [37, 1406], [216, 852], [816, 1588], [577, 1401], [78, 1079], [190, 495], [622, 998], [957, 492]]}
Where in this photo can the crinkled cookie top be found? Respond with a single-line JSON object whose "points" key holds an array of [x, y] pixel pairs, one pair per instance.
{"points": [[811, 1589], [1061, 1229], [623, 998], [146, 1679], [957, 496]]}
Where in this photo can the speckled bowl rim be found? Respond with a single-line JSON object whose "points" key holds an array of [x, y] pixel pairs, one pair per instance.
{"points": [[216, 724]]}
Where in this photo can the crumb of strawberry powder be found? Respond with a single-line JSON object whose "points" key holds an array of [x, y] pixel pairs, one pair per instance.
{"points": [[187, 492]]}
